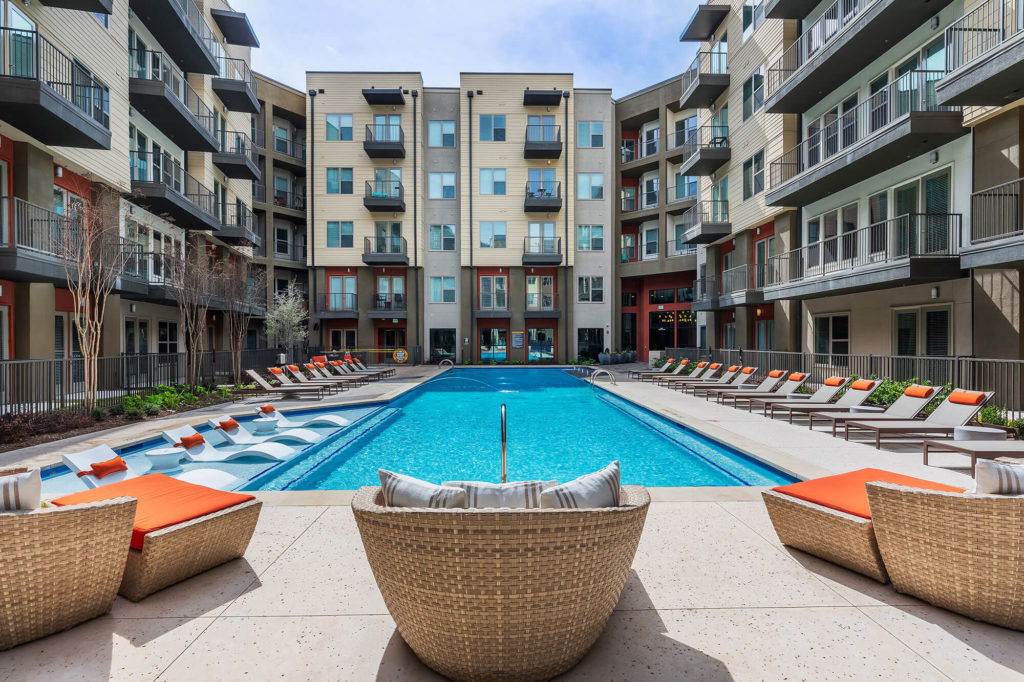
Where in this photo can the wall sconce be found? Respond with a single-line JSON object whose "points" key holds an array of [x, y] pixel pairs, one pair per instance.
{"points": [[933, 23], [58, 172], [758, 311], [935, 292], [934, 157], [758, 231], [131, 308]]}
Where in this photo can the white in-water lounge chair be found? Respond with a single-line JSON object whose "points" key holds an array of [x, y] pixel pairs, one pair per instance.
{"points": [[284, 422], [239, 435], [205, 452], [83, 461]]}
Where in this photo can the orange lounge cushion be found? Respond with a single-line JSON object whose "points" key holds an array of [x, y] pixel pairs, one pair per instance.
{"points": [[294, 368], [916, 391], [848, 492], [716, 365], [321, 365], [702, 364], [101, 469], [276, 370], [190, 441], [776, 373], [268, 409], [834, 381], [733, 368], [685, 362], [319, 358], [163, 501], [670, 361], [334, 363], [797, 377], [227, 425], [862, 385], [967, 397], [749, 370]]}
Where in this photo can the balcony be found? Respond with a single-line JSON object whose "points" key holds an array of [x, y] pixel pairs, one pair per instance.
{"points": [[46, 94], [385, 251], [543, 196], [705, 294], [387, 306], [159, 91], [237, 225], [997, 227], [639, 157], [35, 241], [681, 198], [236, 86], [236, 27], [910, 249], [985, 56], [832, 49], [384, 96], [742, 285], [337, 306], [543, 142], [290, 154], [705, 80], [705, 150], [180, 27], [897, 123], [542, 251], [636, 209], [542, 98], [680, 255], [384, 195], [259, 138], [542, 305], [163, 187], [237, 156], [99, 6], [705, 223], [384, 141], [705, 20], [789, 9], [287, 201]]}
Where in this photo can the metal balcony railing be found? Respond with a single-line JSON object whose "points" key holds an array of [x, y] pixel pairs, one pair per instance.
{"points": [[156, 66], [166, 170], [677, 247], [708, 211], [385, 132], [630, 254], [539, 245], [918, 235], [705, 288], [687, 191], [996, 212], [641, 202], [290, 147], [981, 30], [134, 264], [543, 189], [337, 303], [823, 31], [914, 91], [384, 245], [634, 150], [232, 142], [237, 214], [704, 63], [259, 192], [293, 252], [384, 189], [388, 303], [31, 56], [198, 23], [292, 200], [748, 277], [541, 301], [259, 137], [236, 70], [543, 133], [705, 137], [37, 229]]}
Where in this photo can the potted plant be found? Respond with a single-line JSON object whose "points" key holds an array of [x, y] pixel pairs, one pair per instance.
{"points": [[616, 357], [605, 358]]}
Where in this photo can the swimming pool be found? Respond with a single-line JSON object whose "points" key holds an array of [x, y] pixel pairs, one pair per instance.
{"points": [[559, 427]]}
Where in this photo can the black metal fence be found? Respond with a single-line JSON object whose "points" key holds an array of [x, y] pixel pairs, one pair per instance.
{"points": [[1004, 377]]}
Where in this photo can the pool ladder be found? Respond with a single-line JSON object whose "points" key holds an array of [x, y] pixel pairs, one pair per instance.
{"points": [[504, 441], [598, 372], [445, 363]]}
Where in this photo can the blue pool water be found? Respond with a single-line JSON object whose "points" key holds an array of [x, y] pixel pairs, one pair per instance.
{"points": [[559, 427]]}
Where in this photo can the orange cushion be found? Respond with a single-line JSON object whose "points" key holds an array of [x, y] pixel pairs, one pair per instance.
{"points": [[190, 441], [308, 365], [684, 362], [702, 364], [776, 373], [862, 385], [915, 391], [101, 469], [749, 370], [834, 381], [163, 501], [716, 365], [670, 361], [321, 365], [294, 368], [733, 368], [276, 370], [355, 359], [334, 363], [268, 409], [797, 377], [967, 397], [227, 424], [847, 492], [319, 358], [348, 356]]}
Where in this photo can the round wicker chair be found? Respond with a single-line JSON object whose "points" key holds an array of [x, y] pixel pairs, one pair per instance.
{"points": [[500, 594]]}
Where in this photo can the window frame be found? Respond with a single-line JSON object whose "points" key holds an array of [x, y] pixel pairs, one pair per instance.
{"points": [[442, 237], [492, 120], [589, 135], [444, 280], [491, 181], [588, 243], [590, 186], [491, 224], [753, 177], [443, 176], [594, 294], [754, 101], [340, 120], [441, 125]]}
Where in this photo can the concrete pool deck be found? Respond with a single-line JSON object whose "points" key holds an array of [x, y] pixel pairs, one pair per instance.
{"points": [[712, 595]]}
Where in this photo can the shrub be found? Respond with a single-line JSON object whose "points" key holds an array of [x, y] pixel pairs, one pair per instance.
{"points": [[134, 413], [657, 363], [15, 427], [151, 409], [99, 413]]}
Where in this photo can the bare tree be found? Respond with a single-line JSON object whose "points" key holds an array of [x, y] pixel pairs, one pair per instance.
{"points": [[287, 321], [194, 280], [244, 290], [94, 257]]}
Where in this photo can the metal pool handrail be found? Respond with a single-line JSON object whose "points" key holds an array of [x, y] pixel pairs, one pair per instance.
{"points": [[441, 365], [504, 441], [599, 372]]}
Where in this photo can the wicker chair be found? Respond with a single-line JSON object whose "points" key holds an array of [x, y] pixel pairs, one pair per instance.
{"points": [[964, 553], [500, 594], [60, 566]]}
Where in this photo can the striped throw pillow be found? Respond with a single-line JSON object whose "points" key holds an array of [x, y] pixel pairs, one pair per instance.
{"points": [[405, 491], [517, 495], [21, 491], [996, 478], [599, 489]]}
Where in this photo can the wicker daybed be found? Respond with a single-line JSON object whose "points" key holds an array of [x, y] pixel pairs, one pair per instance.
{"points": [[500, 594], [964, 553], [60, 566]]}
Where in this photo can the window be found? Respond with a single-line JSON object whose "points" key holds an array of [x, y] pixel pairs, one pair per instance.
{"points": [[167, 337], [442, 290], [339, 126], [753, 93], [831, 338], [282, 241], [281, 141], [441, 133], [753, 15], [923, 331], [104, 19], [493, 292], [591, 290], [590, 134], [442, 185], [753, 175], [628, 299], [589, 342], [442, 344], [729, 335], [339, 234], [590, 237], [658, 296], [492, 235], [590, 186], [651, 243], [339, 181], [492, 128], [492, 181], [541, 344], [442, 237]]}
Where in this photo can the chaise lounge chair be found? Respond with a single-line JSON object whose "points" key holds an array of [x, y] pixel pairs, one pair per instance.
{"points": [[856, 395], [82, 461], [908, 406], [239, 435], [371, 374], [739, 379], [825, 394], [651, 376], [769, 384], [318, 370], [701, 370], [300, 379], [708, 376], [284, 390], [388, 371], [790, 385], [664, 369], [283, 422], [205, 452], [957, 409]]}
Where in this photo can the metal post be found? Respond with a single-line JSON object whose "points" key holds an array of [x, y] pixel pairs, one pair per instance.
{"points": [[504, 440]]}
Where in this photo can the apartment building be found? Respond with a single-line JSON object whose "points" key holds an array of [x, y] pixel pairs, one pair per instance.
{"points": [[468, 221], [150, 100]]}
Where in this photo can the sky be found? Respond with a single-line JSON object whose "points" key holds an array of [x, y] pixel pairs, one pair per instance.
{"points": [[625, 45]]}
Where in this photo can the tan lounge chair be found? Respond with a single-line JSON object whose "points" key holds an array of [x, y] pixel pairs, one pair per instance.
{"points": [[790, 385], [664, 369], [707, 376], [770, 383], [300, 379], [702, 369], [825, 394], [284, 390], [651, 376], [739, 378], [856, 395], [318, 372], [908, 406], [957, 409]]}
